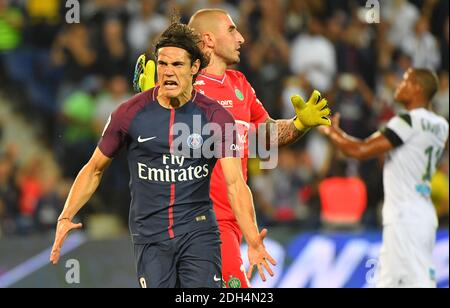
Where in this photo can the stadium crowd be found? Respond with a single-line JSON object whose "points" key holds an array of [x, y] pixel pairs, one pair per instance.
{"points": [[65, 79]]}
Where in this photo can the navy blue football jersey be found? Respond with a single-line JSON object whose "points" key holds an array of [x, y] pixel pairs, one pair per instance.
{"points": [[171, 155]]}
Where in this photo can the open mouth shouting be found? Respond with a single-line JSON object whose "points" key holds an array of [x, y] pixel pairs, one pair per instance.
{"points": [[170, 84]]}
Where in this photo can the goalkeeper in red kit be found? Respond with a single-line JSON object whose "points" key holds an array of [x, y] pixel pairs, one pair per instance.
{"points": [[221, 41]]}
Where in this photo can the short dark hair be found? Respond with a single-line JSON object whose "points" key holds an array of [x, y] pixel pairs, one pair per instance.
{"points": [[428, 81], [181, 36]]}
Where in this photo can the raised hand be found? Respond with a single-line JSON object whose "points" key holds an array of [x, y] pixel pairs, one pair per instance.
{"points": [[313, 113]]}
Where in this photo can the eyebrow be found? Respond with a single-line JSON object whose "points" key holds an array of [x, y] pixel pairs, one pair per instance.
{"points": [[173, 63], [232, 27]]}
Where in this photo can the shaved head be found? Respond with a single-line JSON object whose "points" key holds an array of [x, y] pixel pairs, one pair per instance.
{"points": [[206, 20], [417, 88], [428, 81], [220, 37]]}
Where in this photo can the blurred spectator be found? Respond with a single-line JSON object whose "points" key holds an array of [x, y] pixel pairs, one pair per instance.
{"points": [[145, 25], [371, 172], [401, 63], [79, 136], [44, 21], [103, 10], [113, 52], [9, 195], [319, 154], [422, 47], [353, 99], [313, 55], [30, 186], [54, 193], [400, 16], [263, 197], [441, 100], [294, 85], [74, 52], [268, 60], [438, 15], [11, 25], [444, 46], [354, 42], [36, 178], [385, 91], [114, 188], [115, 94], [296, 16], [278, 192]]}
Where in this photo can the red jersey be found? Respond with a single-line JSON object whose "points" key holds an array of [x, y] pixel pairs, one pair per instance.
{"points": [[235, 93]]}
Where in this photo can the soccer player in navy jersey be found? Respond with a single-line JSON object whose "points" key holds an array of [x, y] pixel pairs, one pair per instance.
{"points": [[173, 226]]}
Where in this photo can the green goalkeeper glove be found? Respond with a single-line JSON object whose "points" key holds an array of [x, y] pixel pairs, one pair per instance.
{"points": [[144, 74], [313, 113]]}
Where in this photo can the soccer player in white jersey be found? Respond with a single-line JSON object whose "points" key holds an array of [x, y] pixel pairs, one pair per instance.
{"points": [[414, 143]]}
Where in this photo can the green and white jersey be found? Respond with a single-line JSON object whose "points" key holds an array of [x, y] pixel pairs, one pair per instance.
{"points": [[419, 138]]}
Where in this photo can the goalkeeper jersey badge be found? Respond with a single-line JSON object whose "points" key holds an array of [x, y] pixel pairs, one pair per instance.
{"points": [[239, 94], [234, 283]]}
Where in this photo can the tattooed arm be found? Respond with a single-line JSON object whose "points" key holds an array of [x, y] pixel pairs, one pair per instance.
{"points": [[283, 132], [313, 113]]}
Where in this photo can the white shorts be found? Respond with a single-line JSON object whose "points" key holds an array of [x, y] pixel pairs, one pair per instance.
{"points": [[406, 257]]}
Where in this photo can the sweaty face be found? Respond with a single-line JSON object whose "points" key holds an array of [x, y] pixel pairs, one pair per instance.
{"points": [[406, 89], [175, 72], [228, 40]]}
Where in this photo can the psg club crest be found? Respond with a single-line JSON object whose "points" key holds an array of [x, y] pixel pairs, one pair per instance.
{"points": [[195, 141]]}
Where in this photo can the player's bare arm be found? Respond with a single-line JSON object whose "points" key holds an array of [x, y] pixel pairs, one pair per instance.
{"points": [[241, 201], [82, 190], [313, 113], [287, 133], [375, 145]]}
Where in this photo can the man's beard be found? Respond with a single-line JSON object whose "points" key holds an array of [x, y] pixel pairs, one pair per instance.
{"points": [[230, 61]]}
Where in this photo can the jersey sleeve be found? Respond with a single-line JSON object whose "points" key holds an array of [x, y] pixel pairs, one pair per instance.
{"points": [[114, 134], [226, 144], [398, 130]]}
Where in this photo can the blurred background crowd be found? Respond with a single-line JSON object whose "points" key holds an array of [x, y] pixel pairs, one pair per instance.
{"points": [[59, 82]]}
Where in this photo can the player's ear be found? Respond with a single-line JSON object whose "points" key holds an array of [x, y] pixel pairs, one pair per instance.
{"points": [[195, 67], [208, 40], [417, 88]]}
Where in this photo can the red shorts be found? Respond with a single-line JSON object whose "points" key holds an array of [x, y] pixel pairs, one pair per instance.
{"points": [[233, 271]]}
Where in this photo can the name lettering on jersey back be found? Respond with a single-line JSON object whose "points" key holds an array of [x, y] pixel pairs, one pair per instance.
{"points": [[173, 171], [438, 129]]}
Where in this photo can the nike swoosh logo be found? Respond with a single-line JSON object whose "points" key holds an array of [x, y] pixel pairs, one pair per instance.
{"points": [[217, 279], [141, 140]]}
